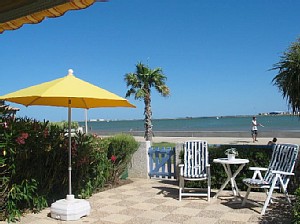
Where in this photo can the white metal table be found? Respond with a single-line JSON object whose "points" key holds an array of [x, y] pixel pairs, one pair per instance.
{"points": [[231, 177]]}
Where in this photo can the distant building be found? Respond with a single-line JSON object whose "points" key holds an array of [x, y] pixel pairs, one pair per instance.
{"points": [[276, 112]]}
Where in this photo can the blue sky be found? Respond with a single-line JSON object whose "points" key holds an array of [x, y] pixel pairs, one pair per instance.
{"points": [[215, 54]]}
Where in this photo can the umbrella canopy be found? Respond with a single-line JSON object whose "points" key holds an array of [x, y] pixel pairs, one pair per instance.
{"points": [[68, 91]]}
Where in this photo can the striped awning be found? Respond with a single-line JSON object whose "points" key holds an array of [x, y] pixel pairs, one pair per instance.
{"points": [[15, 13]]}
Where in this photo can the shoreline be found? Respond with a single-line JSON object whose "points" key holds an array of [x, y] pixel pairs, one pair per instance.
{"points": [[221, 140], [201, 134], [244, 138]]}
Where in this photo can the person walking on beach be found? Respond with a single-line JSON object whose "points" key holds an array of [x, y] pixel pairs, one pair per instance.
{"points": [[254, 129]]}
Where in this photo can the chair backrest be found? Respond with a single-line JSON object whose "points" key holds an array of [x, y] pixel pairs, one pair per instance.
{"points": [[195, 159], [283, 158]]}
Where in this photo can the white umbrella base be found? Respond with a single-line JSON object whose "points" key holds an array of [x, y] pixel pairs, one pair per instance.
{"points": [[70, 208]]}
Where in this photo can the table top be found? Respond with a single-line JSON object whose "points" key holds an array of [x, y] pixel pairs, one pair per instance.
{"points": [[231, 161]]}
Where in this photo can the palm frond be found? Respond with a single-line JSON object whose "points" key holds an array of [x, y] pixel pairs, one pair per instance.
{"points": [[288, 78]]}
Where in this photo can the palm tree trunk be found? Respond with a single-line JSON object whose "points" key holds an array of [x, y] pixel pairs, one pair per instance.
{"points": [[148, 119]]}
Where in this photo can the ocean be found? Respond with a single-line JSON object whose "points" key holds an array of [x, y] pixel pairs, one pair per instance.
{"points": [[242, 124]]}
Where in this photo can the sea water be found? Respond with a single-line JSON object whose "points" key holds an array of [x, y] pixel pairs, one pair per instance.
{"points": [[226, 123]]}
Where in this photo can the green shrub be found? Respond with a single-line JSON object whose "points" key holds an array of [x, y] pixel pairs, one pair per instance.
{"points": [[296, 207], [27, 148], [65, 124], [34, 164], [34, 156], [120, 151], [22, 197], [92, 167]]}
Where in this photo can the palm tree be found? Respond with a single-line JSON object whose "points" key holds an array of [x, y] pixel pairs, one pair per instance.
{"points": [[288, 77], [140, 84]]}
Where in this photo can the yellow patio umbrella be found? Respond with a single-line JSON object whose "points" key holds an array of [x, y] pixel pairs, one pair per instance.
{"points": [[70, 92]]}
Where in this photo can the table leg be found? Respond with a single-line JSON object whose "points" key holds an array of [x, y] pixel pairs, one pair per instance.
{"points": [[233, 182], [231, 178], [225, 183]]}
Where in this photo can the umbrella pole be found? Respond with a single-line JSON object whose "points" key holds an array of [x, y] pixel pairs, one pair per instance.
{"points": [[70, 148], [86, 117]]}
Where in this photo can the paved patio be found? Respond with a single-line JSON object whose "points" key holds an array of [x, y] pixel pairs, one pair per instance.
{"points": [[156, 201]]}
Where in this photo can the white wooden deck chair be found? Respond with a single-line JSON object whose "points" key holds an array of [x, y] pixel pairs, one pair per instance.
{"points": [[195, 168], [277, 175]]}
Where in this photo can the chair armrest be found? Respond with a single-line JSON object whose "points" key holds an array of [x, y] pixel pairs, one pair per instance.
{"points": [[181, 165], [258, 168], [282, 173], [257, 172]]}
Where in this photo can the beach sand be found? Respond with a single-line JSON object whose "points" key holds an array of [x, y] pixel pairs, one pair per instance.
{"points": [[221, 140]]}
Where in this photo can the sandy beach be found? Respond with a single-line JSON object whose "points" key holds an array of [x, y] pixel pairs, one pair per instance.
{"points": [[221, 140]]}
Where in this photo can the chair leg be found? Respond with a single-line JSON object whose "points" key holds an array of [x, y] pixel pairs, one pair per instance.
{"points": [[181, 186], [287, 197], [208, 186], [246, 196], [284, 190], [180, 194], [208, 192], [269, 195]]}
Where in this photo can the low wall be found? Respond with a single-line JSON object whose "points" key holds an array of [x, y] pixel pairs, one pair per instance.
{"points": [[139, 163]]}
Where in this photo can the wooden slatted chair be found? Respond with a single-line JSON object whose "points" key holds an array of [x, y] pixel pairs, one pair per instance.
{"points": [[277, 175], [195, 168]]}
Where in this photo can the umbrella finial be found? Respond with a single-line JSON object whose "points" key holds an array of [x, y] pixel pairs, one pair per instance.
{"points": [[70, 71]]}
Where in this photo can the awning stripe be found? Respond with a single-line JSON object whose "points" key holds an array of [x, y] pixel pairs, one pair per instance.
{"points": [[50, 13]]}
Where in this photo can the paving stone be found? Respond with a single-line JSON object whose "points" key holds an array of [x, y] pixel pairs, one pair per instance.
{"points": [[103, 194], [186, 211], [131, 192], [198, 205], [175, 203], [125, 203], [149, 194], [108, 201], [178, 218], [111, 208], [156, 215], [145, 189], [117, 218], [235, 217], [164, 208], [210, 214], [156, 200], [144, 206], [139, 220], [197, 220], [43, 221], [164, 222], [217, 207], [137, 198], [131, 211]]}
